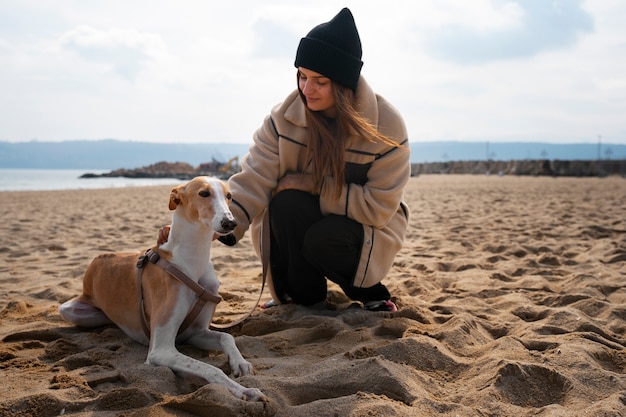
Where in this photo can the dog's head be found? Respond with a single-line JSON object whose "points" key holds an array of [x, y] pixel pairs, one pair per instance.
{"points": [[204, 200]]}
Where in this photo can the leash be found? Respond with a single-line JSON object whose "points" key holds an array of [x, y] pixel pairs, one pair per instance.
{"points": [[203, 295], [265, 261]]}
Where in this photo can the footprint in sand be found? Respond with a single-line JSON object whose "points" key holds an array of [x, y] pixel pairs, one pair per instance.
{"points": [[531, 385]]}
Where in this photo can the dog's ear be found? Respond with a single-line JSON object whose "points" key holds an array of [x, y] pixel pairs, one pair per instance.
{"points": [[175, 198]]}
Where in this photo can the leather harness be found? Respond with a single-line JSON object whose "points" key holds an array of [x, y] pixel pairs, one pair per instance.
{"points": [[203, 295]]}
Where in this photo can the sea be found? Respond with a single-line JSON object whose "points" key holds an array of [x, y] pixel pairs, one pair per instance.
{"points": [[69, 179]]}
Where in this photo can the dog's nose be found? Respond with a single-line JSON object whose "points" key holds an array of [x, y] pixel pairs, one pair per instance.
{"points": [[228, 225]]}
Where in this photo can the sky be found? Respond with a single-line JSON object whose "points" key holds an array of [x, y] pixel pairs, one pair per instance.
{"points": [[198, 71]]}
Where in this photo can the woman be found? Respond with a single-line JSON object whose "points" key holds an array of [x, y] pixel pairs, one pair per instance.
{"points": [[329, 166]]}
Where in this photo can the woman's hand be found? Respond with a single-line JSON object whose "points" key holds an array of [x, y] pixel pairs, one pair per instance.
{"points": [[302, 182]]}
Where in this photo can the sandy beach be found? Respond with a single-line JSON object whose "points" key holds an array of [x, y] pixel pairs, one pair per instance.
{"points": [[511, 296]]}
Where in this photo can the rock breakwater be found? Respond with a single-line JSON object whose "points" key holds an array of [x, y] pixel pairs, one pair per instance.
{"points": [[526, 167]]}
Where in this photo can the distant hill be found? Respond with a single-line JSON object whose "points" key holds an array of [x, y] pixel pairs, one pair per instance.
{"points": [[512, 151], [112, 154]]}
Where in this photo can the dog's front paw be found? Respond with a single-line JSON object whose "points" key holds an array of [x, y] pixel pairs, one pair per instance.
{"points": [[253, 394], [241, 368]]}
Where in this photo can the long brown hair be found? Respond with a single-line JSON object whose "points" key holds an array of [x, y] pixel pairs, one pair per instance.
{"points": [[328, 137]]}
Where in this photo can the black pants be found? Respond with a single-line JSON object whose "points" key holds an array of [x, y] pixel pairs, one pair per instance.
{"points": [[307, 248]]}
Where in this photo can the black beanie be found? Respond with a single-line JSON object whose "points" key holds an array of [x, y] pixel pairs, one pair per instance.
{"points": [[333, 49]]}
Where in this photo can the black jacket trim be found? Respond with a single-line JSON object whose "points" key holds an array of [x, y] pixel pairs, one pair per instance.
{"points": [[281, 136], [243, 209]]}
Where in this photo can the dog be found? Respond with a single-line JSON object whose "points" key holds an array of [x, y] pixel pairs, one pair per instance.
{"points": [[150, 305]]}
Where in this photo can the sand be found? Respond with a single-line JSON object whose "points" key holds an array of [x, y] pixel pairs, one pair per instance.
{"points": [[511, 295]]}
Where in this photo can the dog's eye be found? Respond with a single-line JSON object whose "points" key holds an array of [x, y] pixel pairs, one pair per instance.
{"points": [[229, 196], [204, 193]]}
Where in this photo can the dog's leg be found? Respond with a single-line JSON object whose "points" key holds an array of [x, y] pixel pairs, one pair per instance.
{"points": [[162, 352], [210, 340], [83, 314]]}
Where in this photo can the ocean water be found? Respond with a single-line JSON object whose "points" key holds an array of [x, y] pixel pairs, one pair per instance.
{"points": [[69, 179]]}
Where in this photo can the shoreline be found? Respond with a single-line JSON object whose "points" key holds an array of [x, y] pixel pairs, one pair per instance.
{"points": [[432, 167]]}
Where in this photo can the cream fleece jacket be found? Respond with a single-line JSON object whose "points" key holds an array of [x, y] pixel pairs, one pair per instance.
{"points": [[375, 200]]}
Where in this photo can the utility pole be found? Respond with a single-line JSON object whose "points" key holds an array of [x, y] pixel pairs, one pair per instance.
{"points": [[600, 170]]}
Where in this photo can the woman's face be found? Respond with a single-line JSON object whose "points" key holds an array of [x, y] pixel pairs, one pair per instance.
{"points": [[318, 91]]}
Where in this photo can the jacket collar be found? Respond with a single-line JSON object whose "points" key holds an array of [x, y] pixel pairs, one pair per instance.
{"points": [[366, 105]]}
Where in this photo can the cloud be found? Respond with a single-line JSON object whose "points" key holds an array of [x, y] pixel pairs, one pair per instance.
{"points": [[127, 51], [211, 71], [272, 40], [540, 25]]}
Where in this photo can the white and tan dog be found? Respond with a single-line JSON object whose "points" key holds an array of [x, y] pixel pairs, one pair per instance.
{"points": [[113, 293]]}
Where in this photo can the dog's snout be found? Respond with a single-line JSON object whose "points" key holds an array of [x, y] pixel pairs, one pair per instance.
{"points": [[228, 225]]}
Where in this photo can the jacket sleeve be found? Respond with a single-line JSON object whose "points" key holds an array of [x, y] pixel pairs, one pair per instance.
{"points": [[253, 186], [375, 203]]}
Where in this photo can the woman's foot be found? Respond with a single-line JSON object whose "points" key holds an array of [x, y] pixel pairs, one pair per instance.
{"points": [[382, 305], [273, 303]]}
